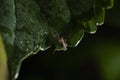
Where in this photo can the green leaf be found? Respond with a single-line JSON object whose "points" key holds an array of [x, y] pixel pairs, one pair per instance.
{"points": [[99, 13], [31, 31], [29, 26]]}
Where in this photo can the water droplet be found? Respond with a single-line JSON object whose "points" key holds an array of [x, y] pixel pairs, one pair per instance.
{"points": [[99, 24], [16, 75], [27, 49], [42, 49], [28, 41], [36, 47], [21, 42], [78, 41], [92, 32]]}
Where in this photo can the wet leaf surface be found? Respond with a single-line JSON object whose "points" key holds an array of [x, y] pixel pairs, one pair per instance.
{"points": [[29, 26]]}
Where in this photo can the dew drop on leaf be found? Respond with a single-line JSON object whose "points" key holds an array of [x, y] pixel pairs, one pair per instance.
{"points": [[21, 42], [99, 24], [16, 75], [28, 42], [27, 49]]}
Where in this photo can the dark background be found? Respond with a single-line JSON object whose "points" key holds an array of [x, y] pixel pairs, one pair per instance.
{"points": [[97, 57]]}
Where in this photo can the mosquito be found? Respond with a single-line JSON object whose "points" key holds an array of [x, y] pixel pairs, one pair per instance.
{"points": [[62, 41]]}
